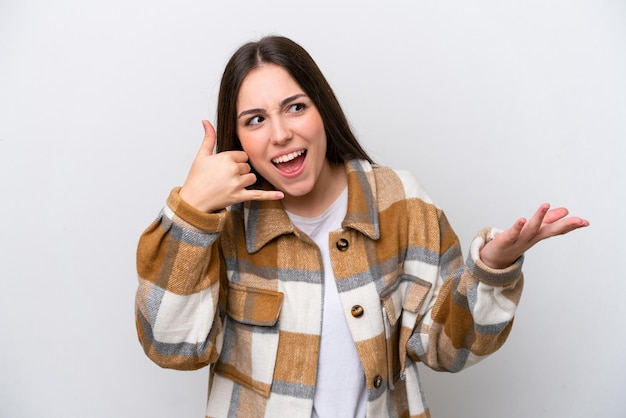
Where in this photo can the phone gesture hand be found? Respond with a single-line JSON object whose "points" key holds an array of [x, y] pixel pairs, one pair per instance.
{"points": [[216, 181]]}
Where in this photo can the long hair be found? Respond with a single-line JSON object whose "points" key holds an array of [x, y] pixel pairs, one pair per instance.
{"points": [[341, 142]]}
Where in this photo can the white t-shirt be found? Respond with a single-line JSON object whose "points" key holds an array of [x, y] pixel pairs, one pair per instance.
{"points": [[340, 390]]}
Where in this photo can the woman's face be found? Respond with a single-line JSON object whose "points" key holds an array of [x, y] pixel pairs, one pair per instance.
{"points": [[282, 132]]}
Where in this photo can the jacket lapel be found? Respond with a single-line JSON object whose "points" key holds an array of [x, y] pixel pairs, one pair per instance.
{"points": [[266, 220]]}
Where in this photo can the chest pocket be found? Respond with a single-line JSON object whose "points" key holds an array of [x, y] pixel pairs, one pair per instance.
{"points": [[248, 354], [406, 295]]}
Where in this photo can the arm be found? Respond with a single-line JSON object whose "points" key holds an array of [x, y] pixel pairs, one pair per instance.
{"points": [[471, 313], [179, 269], [181, 274]]}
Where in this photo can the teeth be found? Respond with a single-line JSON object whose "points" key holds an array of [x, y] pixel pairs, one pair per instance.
{"points": [[287, 157]]}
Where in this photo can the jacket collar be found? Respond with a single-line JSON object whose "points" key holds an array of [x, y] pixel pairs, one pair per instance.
{"points": [[266, 220]]}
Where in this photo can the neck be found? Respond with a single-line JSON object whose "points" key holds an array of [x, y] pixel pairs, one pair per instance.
{"points": [[327, 189]]}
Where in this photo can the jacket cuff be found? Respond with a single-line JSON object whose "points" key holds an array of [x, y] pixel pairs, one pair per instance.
{"points": [[207, 222], [486, 274]]}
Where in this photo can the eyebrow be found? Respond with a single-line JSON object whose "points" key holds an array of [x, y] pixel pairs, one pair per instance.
{"points": [[281, 104]]}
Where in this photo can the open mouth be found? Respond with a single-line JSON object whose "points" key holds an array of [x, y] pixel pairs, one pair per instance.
{"points": [[290, 162]]}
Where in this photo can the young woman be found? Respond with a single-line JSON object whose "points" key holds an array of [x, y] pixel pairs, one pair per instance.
{"points": [[310, 279]]}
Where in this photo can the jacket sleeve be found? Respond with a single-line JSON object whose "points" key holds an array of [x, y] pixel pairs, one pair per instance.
{"points": [[471, 310], [179, 272]]}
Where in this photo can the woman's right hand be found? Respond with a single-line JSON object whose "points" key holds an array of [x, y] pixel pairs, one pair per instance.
{"points": [[216, 181]]}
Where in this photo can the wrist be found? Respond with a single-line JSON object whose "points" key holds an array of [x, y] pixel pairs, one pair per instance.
{"points": [[492, 262], [489, 252], [191, 199]]}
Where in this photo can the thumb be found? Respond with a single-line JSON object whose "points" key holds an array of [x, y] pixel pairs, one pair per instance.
{"points": [[208, 143]]}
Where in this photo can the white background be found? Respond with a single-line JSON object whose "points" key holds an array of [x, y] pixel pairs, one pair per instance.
{"points": [[497, 106]]}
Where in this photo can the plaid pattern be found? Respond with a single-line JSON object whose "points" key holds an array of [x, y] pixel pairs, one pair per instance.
{"points": [[241, 290]]}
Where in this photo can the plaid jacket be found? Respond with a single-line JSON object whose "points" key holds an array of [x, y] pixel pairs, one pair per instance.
{"points": [[241, 290]]}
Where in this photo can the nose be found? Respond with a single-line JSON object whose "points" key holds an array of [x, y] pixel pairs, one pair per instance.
{"points": [[280, 132]]}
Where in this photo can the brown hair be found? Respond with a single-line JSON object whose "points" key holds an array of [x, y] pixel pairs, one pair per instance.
{"points": [[278, 50]]}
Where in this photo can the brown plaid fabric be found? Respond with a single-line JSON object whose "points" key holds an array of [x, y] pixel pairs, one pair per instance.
{"points": [[241, 291]]}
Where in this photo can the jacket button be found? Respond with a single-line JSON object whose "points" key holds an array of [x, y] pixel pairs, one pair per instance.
{"points": [[342, 244], [357, 311], [378, 381]]}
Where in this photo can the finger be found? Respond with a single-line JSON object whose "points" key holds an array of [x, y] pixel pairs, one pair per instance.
{"points": [[247, 180], [535, 222], [244, 168], [208, 142], [516, 229], [237, 156], [555, 214], [564, 226], [577, 222], [264, 195]]}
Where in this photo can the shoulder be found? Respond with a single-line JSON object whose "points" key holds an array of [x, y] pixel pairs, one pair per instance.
{"points": [[402, 183]]}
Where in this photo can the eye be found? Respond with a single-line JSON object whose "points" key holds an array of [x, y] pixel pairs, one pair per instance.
{"points": [[254, 120], [297, 107]]}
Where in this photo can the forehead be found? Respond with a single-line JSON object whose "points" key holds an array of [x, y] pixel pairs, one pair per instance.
{"points": [[265, 86]]}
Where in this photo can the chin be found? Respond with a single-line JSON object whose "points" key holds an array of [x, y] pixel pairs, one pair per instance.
{"points": [[297, 191]]}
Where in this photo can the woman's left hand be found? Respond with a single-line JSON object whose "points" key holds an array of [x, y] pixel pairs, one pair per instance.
{"points": [[509, 245]]}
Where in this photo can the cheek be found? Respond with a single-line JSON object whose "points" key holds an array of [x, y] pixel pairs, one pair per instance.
{"points": [[317, 128], [248, 144], [320, 135], [255, 151]]}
